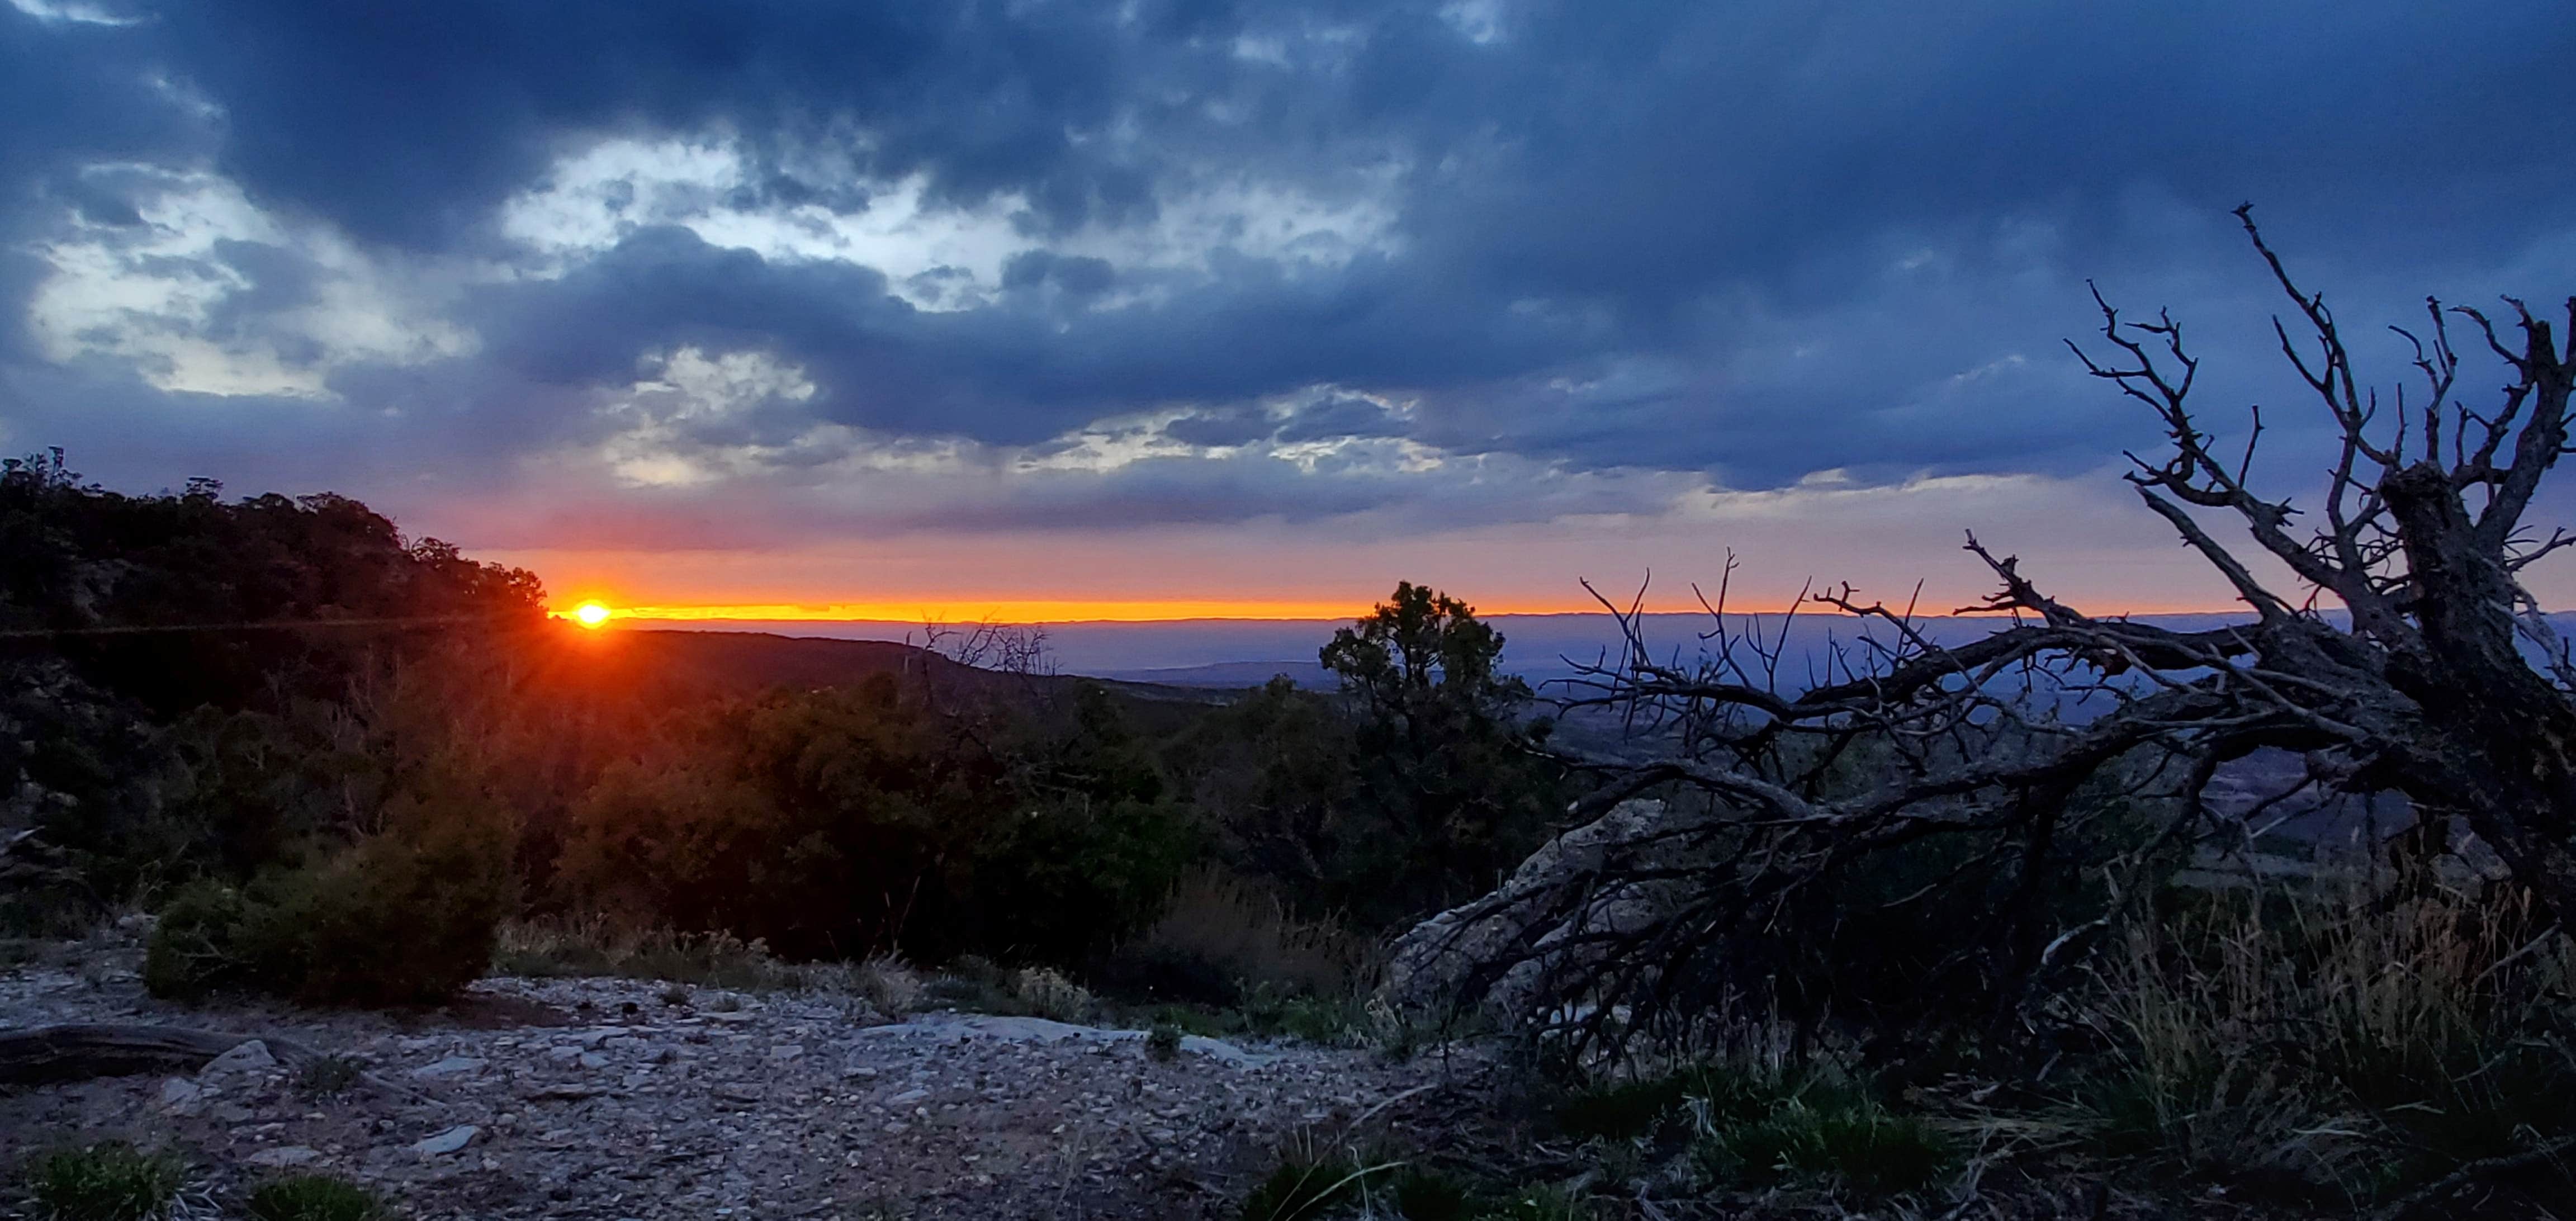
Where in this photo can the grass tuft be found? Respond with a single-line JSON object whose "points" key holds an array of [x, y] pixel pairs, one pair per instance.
{"points": [[1762, 1126], [314, 1197], [1310, 1183], [329, 1076], [1848, 1144], [109, 1181]]}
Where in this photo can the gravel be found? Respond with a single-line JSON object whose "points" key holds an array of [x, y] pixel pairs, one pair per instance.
{"points": [[595, 1098]]}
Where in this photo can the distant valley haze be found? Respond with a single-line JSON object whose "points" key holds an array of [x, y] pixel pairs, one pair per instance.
{"points": [[1542, 649]]}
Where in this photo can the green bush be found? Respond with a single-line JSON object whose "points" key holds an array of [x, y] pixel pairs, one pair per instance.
{"points": [[195, 948], [314, 1197], [412, 916], [833, 823], [1411, 789], [111, 1181], [406, 917]]}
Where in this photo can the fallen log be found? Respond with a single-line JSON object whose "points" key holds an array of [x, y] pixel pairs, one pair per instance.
{"points": [[78, 1052], [44, 1054]]}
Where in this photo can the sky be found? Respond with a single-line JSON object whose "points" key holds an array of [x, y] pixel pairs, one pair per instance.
{"points": [[1054, 311]]}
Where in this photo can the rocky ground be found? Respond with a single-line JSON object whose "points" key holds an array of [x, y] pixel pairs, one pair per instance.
{"points": [[611, 1099]]}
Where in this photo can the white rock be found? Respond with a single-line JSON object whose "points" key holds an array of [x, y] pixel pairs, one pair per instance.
{"points": [[284, 1156], [1223, 1052], [450, 1141], [249, 1057], [453, 1066], [181, 1092], [960, 1028]]}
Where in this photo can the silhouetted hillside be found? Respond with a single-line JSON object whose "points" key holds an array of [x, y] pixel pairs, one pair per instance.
{"points": [[684, 665]]}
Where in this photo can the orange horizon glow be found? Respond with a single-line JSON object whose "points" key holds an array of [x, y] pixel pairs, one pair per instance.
{"points": [[1033, 610], [1155, 611]]}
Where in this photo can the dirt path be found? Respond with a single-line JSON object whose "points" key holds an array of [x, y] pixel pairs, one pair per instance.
{"points": [[601, 1099]]}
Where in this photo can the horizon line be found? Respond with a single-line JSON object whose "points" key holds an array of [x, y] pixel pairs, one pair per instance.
{"points": [[1047, 611]]}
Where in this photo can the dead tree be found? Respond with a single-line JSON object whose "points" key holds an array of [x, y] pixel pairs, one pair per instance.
{"points": [[2404, 654]]}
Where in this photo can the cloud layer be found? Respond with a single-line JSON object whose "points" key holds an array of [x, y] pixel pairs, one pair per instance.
{"points": [[744, 276]]}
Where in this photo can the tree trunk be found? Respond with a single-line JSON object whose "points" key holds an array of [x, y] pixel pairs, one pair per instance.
{"points": [[2499, 742]]}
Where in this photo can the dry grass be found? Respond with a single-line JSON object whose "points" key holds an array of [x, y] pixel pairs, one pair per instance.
{"points": [[1046, 992], [596, 946], [2354, 1043], [973, 984], [1222, 935], [889, 983]]}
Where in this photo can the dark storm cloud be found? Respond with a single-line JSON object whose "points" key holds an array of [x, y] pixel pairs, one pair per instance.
{"points": [[1222, 427], [1753, 240], [1017, 372], [1341, 416], [1075, 275]]}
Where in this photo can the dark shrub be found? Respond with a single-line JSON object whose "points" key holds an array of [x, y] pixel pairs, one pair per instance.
{"points": [[407, 916], [412, 915], [195, 948], [1411, 789], [843, 822]]}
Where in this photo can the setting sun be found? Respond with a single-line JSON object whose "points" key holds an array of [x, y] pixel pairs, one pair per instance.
{"points": [[590, 614]]}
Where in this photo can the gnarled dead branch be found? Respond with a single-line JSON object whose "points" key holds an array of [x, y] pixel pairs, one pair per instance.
{"points": [[2397, 648]]}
